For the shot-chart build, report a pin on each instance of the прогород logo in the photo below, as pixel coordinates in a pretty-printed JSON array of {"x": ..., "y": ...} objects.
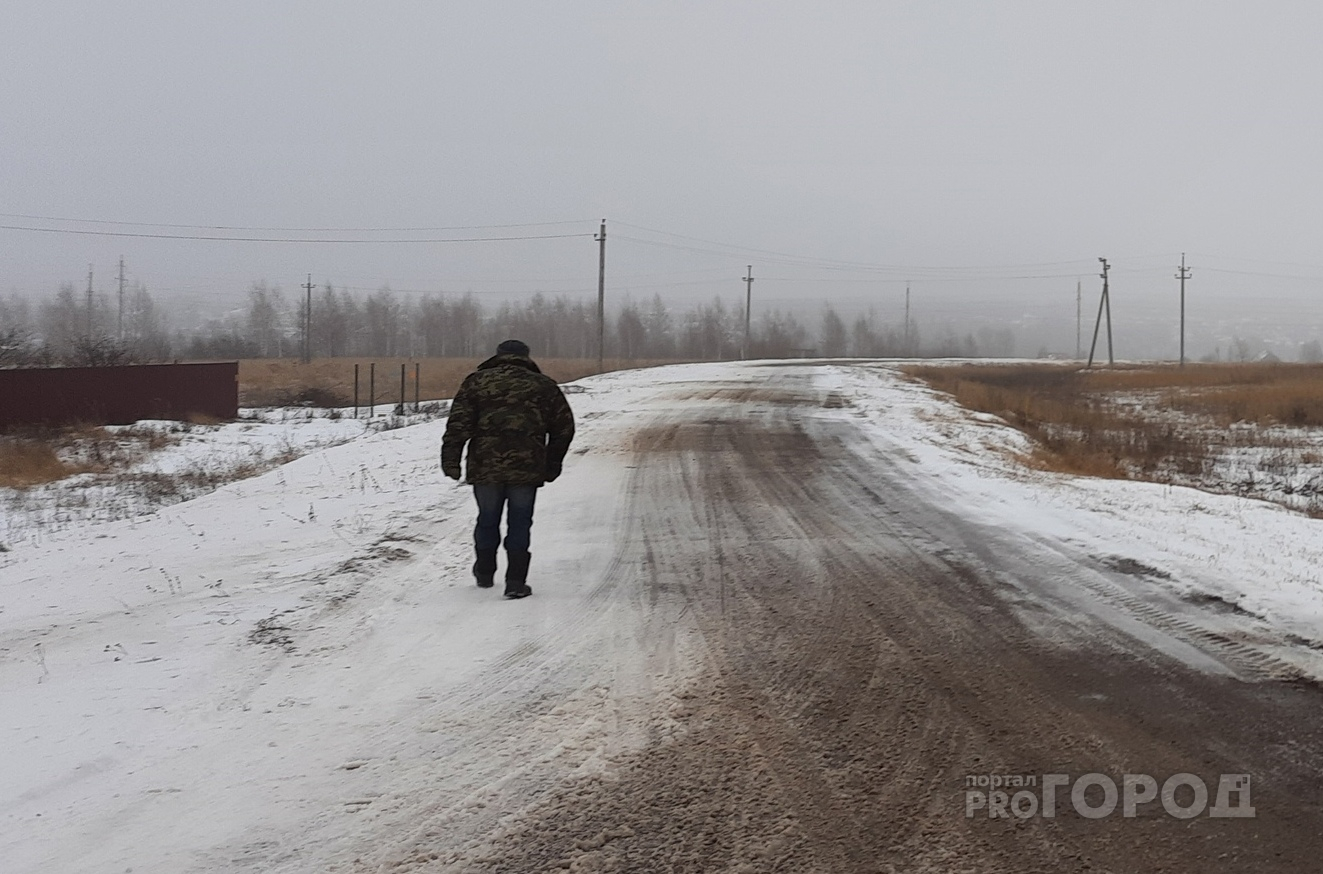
[{"x": 1094, "y": 796}]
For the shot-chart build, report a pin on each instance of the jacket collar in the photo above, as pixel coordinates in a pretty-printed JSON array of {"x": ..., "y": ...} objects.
[{"x": 509, "y": 360}]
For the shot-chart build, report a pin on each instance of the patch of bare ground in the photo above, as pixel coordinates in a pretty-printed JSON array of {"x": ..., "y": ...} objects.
[{"x": 1254, "y": 430}]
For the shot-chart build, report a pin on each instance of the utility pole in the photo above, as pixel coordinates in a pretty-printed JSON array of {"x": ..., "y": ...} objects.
[
  {"x": 307, "y": 323},
  {"x": 601, "y": 296},
  {"x": 907, "y": 320},
  {"x": 1079, "y": 314},
  {"x": 120, "y": 328},
  {"x": 748, "y": 303},
  {"x": 1107, "y": 300},
  {"x": 1182, "y": 276},
  {"x": 89, "y": 303},
  {"x": 1105, "y": 303}
]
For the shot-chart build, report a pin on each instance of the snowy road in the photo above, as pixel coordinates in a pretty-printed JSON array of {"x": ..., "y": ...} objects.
[{"x": 777, "y": 621}]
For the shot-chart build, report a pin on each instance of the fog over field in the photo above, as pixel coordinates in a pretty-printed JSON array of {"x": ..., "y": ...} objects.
[{"x": 984, "y": 156}]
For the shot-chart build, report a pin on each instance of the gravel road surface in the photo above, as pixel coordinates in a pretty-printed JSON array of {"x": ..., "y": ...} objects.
[{"x": 863, "y": 652}]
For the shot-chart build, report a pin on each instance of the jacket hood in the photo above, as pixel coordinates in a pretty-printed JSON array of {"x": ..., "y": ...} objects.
[{"x": 512, "y": 360}]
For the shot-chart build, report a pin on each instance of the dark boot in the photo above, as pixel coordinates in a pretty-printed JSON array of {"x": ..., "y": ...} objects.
[
  {"x": 516, "y": 575},
  {"x": 484, "y": 569}
]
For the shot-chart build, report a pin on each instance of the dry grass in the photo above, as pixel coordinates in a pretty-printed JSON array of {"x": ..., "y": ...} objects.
[
  {"x": 1165, "y": 423},
  {"x": 25, "y": 463},
  {"x": 329, "y": 382},
  {"x": 34, "y": 456},
  {"x": 1264, "y": 394}
]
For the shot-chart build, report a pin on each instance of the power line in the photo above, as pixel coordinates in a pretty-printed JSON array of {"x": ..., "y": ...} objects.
[
  {"x": 726, "y": 250},
  {"x": 927, "y": 280},
  {"x": 723, "y": 250},
  {"x": 225, "y": 239},
  {"x": 807, "y": 260},
  {"x": 741, "y": 250},
  {"x": 642, "y": 286},
  {"x": 1260, "y": 274},
  {"x": 899, "y": 273},
  {"x": 45, "y": 218},
  {"x": 1205, "y": 255}
]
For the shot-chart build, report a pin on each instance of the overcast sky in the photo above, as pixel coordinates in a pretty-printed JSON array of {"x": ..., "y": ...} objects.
[{"x": 1001, "y": 138}]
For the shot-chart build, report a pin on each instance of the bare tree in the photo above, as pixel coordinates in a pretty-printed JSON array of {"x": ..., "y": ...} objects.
[
  {"x": 63, "y": 321},
  {"x": 18, "y": 348},
  {"x": 631, "y": 333},
  {"x": 778, "y": 335},
  {"x": 432, "y": 316},
  {"x": 267, "y": 320},
  {"x": 146, "y": 337},
  {"x": 660, "y": 330},
  {"x": 330, "y": 322},
  {"x": 464, "y": 329},
  {"x": 100, "y": 351},
  {"x": 709, "y": 333},
  {"x": 834, "y": 339},
  {"x": 18, "y": 343},
  {"x": 382, "y": 323}
]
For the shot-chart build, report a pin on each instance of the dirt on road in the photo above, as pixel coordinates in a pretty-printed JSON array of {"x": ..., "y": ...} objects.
[{"x": 866, "y": 658}]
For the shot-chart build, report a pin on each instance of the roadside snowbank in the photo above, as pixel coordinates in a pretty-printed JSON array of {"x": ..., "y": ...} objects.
[{"x": 1247, "y": 558}]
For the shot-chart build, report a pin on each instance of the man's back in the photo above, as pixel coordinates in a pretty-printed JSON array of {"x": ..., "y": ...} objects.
[{"x": 515, "y": 420}]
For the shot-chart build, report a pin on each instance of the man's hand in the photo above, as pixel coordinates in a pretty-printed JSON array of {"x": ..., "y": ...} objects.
[
  {"x": 452, "y": 472},
  {"x": 553, "y": 471}
]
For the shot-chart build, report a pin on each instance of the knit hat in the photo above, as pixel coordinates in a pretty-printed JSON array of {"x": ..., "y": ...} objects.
[{"x": 513, "y": 347}]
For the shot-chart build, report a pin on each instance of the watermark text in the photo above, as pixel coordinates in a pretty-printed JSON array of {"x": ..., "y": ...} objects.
[{"x": 1095, "y": 796}]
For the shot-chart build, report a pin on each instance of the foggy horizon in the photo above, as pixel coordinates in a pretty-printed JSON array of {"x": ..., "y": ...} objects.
[{"x": 985, "y": 157}]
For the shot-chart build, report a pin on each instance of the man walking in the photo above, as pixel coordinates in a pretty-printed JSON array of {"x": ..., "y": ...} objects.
[{"x": 518, "y": 427}]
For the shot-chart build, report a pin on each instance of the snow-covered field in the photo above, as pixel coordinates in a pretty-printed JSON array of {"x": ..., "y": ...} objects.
[
  {"x": 1281, "y": 463},
  {"x": 193, "y": 460},
  {"x": 294, "y": 672}
]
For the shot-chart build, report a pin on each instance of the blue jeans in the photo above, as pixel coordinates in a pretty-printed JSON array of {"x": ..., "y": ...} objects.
[{"x": 492, "y": 499}]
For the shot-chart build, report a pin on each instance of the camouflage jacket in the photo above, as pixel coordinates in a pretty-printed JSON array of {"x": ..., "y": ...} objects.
[{"x": 515, "y": 420}]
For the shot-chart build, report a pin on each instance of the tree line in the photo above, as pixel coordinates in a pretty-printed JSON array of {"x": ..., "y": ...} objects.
[{"x": 71, "y": 328}]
